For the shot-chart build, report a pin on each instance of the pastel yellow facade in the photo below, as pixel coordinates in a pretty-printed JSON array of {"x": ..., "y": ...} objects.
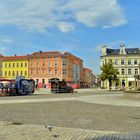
[
  {"x": 127, "y": 62},
  {"x": 13, "y": 68}
]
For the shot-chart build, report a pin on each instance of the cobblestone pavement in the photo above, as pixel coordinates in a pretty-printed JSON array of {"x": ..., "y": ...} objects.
[
  {"x": 74, "y": 114},
  {"x": 17, "y": 131},
  {"x": 73, "y": 117}
]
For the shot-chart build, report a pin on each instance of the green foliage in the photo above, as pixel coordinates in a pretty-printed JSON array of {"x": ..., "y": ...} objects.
[{"x": 109, "y": 73}]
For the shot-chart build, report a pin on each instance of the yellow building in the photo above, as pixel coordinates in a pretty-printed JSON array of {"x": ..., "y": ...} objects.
[
  {"x": 14, "y": 66},
  {"x": 126, "y": 61}
]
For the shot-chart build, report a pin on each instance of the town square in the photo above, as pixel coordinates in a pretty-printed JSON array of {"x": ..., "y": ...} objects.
[{"x": 69, "y": 70}]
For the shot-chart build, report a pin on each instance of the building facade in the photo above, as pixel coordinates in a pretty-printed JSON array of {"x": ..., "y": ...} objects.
[
  {"x": 44, "y": 66},
  {"x": 88, "y": 77},
  {"x": 13, "y": 66},
  {"x": 126, "y": 61}
]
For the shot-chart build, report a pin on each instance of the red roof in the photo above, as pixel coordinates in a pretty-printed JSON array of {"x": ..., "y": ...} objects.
[{"x": 7, "y": 58}]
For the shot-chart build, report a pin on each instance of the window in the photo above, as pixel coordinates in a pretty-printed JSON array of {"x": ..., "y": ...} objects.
[
  {"x": 122, "y": 62},
  {"x": 9, "y": 65},
  {"x": 49, "y": 63},
  {"x": 76, "y": 75},
  {"x": 129, "y": 71},
  {"x": 49, "y": 72},
  {"x": 103, "y": 62},
  {"x": 5, "y": 73},
  {"x": 135, "y": 62},
  {"x": 9, "y": 73},
  {"x": 13, "y": 73},
  {"x": 116, "y": 62},
  {"x": 32, "y": 64},
  {"x": 25, "y": 73},
  {"x": 13, "y": 64},
  {"x": 37, "y": 64},
  {"x": 31, "y": 71},
  {"x": 5, "y": 65},
  {"x": 50, "y": 55},
  {"x": 17, "y": 73},
  {"x": 37, "y": 71},
  {"x": 64, "y": 63},
  {"x": 21, "y": 73},
  {"x": 129, "y": 62},
  {"x": 25, "y": 64},
  {"x": 43, "y": 71},
  {"x": 17, "y": 64},
  {"x": 56, "y": 72},
  {"x": 64, "y": 72},
  {"x": 21, "y": 64},
  {"x": 123, "y": 71},
  {"x": 43, "y": 64},
  {"x": 55, "y": 63},
  {"x": 117, "y": 71},
  {"x": 136, "y": 71}
]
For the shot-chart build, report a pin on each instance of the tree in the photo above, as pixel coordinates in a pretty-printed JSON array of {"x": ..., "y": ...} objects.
[{"x": 109, "y": 73}]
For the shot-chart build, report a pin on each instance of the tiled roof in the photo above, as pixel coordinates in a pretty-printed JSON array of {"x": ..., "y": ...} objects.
[
  {"x": 44, "y": 53},
  {"x": 41, "y": 54},
  {"x": 133, "y": 51},
  {"x": 7, "y": 58},
  {"x": 128, "y": 51},
  {"x": 54, "y": 55},
  {"x": 87, "y": 69}
]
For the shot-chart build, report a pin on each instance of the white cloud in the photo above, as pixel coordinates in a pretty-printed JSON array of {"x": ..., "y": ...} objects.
[
  {"x": 66, "y": 27},
  {"x": 93, "y": 13},
  {"x": 40, "y": 15}
]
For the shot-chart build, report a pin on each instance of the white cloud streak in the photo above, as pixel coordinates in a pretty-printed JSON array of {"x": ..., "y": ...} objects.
[{"x": 40, "y": 15}]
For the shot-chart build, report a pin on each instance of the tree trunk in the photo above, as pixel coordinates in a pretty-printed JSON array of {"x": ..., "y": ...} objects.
[{"x": 110, "y": 84}]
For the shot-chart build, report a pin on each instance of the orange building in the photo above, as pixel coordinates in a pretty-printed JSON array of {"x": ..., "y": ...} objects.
[
  {"x": 88, "y": 77},
  {"x": 46, "y": 65}
]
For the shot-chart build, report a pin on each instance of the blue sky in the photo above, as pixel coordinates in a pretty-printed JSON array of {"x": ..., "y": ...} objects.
[{"x": 76, "y": 26}]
